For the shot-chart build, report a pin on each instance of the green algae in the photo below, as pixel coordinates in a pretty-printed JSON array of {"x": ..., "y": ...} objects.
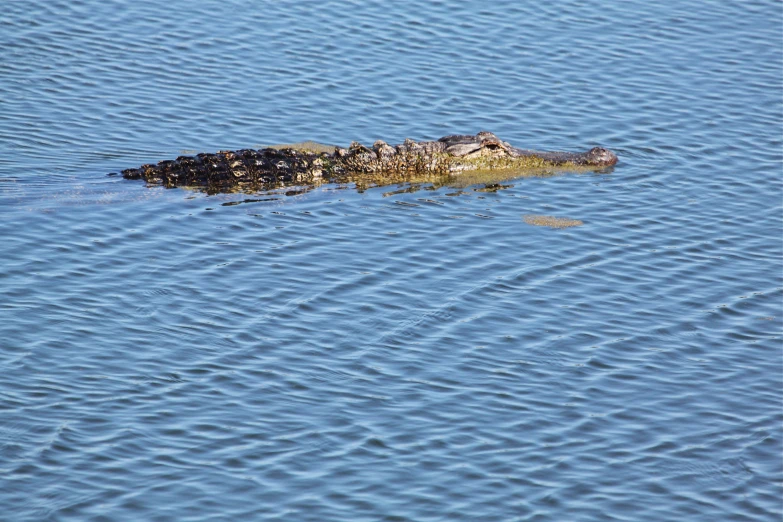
[{"x": 311, "y": 147}]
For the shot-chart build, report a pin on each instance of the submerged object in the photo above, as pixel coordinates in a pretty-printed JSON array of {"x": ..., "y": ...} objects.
[{"x": 450, "y": 155}]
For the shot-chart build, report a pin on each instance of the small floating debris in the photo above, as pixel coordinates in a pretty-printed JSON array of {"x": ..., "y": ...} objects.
[{"x": 551, "y": 221}]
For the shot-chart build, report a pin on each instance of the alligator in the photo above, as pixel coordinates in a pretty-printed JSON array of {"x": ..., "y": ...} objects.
[{"x": 450, "y": 155}]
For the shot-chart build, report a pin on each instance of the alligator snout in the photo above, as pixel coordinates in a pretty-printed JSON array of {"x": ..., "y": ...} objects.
[{"x": 600, "y": 156}]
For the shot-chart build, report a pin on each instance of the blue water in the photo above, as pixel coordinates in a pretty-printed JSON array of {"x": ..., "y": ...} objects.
[{"x": 397, "y": 353}]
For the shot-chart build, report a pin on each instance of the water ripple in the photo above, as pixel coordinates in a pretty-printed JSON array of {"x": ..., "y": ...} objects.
[{"x": 409, "y": 352}]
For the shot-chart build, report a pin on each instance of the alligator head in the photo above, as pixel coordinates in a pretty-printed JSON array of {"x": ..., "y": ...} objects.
[
  {"x": 599, "y": 156},
  {"x": 488, "y": 144}
]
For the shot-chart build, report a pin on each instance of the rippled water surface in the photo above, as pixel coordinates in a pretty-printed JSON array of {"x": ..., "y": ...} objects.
[{"x": 409, "y": 352}]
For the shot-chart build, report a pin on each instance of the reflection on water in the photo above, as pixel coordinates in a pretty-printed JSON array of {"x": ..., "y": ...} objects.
[{"x": 479, "y": 180}]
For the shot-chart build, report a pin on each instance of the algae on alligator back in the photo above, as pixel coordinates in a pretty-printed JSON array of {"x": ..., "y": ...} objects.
[
  {"x": 305, "y": 146},
  {"x": 311, "y": 163}
]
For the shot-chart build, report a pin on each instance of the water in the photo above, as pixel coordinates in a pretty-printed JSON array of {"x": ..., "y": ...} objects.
[{"x": 395, "y": 353}]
